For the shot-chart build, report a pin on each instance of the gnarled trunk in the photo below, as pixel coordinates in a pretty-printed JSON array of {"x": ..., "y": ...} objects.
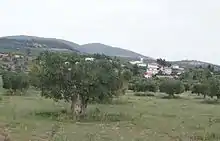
[{"x": 78, "y": 106}]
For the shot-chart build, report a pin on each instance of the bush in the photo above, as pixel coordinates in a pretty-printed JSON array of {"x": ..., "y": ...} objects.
[
  {"x": 144, "y": 85},
  {"x": 210, "y": 87},
  {"x": 14, "y": 81},
  {"x": 201, "y": 88},
  {"x": 214, "y": 88},
  {"x": 171, "y": 87}
]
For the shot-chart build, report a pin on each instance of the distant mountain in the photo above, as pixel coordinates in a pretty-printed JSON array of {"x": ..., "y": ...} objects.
[
  {"x": 109, "y": 50},
  {"x": 195, "y": 63},
  {"x": 22, "y": 41}
]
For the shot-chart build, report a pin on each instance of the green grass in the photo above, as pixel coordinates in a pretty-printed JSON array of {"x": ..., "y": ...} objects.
[{"x": 133, "y": 119}]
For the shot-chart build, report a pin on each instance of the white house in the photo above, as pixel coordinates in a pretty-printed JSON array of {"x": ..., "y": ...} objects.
[
  {"x": 167, "y": 71},
  {"x": 152, "y": 69},
  {"x": 139, "y": 63},
  {"x": 177, "y": 70},
  {"x": 142, "y": 65},
  {"x": 89, "y": 59},
  {"x": 18, "y": 56},
  {"x": 175, "y": 67}
]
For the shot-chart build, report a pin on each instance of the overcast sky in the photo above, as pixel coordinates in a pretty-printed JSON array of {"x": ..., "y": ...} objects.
[{"x": 171, "y": 29}]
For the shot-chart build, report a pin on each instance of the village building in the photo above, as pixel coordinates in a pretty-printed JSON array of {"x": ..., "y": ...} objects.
[
  {"x": 139, "y": 63},
  {"x": 89, "y": 59},
  {"x": 156, "y": 69},
  {"x": 152, "y": 69}
]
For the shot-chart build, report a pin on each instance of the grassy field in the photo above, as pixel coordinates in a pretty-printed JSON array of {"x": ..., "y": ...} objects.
[{"x": 129, "y": 118}]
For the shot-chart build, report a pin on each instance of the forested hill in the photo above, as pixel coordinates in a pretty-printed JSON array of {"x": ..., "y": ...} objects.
[{"x": 22, "y": 41}]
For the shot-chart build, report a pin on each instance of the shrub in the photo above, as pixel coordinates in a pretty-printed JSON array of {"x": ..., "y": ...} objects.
[
  {"x": 14, "y": 81},
  {"x": 171, "y": 87},
  {"x": 144, "y": 85},
  {"x": 214, "y": 88},
  {"x": 201, "y": 88}
]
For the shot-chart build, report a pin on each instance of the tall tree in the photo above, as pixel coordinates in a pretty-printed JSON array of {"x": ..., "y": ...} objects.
[
  {"x": 163, "y": 62},
  {"x": 14, "y": 81},
  {"x": 135, "y": 70},
  {"x": 75, "y": 80}
]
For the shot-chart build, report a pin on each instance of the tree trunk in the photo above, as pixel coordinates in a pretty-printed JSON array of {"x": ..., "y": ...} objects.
[
  {"x": 78, "y": 106},
  {"x": 204, "y": 96},
  {"x": 171, "y": 95},
  {"x": 11, "y": 91}
]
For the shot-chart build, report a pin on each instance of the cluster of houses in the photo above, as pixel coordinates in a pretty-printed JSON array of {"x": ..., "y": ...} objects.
[
  {"x": 12, "y": 61},
  {"x": 156, "y": 69},
  {"x": 153, "y": 69},
  {"x": 8, "y": 56}
]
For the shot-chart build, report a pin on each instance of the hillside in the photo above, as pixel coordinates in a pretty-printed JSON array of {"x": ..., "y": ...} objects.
[
  {"x": 12, "y": 43},
  {"x": 109, "y": 50},
  {"x": 195, "y": 63},
  {"x": 22, "y": 41}
]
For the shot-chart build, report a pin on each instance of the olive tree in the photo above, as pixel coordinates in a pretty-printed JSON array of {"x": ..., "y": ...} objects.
[
  {"x": 171, "y": 87},
  {"x": 126, "y": 77},
  {"x": 143, "y": 85},
  {"x": 214, "y": 88},
  {"x": 14, "y": 81},
  {"x": 69, "y": 77},
  {"x": 201, "y": 88}
]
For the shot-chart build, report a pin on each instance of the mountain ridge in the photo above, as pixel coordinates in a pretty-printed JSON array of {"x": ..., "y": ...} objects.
[
  {"x": 85, "y": 48},
  {"x": 24, "y": 41}
]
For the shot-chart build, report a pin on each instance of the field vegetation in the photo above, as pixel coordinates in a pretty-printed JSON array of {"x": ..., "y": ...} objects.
[{"x": 65, "y": 98}]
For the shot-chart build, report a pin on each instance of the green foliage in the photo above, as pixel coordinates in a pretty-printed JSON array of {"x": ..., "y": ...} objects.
[
  {"x": 171, "y": 87},
  {"x": 143, "y": 85},
  {"x": 196, "y": 75},
  {"x": 135, "y": 70},
  {"x": 214, "y": 87},
  {"x": 127, "y": 75},
  {"x": 201, "y": 88},
  {"x": 14, "y": 81},
  {"x": 211, "y": 87},
  {"x": 96, "y": 80},
  {"x": 34, "y": 75},
  {"x": 163, "y": 62}
]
